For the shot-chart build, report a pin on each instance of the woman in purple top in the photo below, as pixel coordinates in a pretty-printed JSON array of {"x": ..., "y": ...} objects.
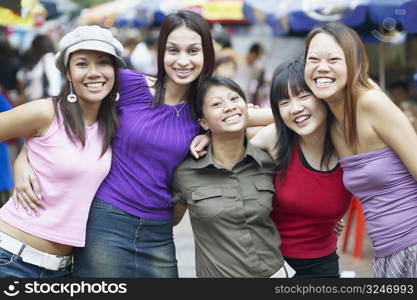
[
  {"x": 373, "y": 137},
  {"x": 129, "y": 230}
]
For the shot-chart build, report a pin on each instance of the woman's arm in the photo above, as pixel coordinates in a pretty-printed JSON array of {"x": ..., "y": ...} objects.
[
  {"x": 26, "y": 191},
  {"x": 391, "y": 126},
  {"x": 178, "y": 213},
  {"x": 266, "y": 139},
  {"x": 260, "y": 116},
  {"x": 199, "y": 144},
  {"x": 26, "y": 120}
]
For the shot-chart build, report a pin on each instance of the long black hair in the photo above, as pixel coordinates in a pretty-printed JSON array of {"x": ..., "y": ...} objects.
[
  {"x": 196, "y": 23},
  {"x": 289, "y": 76},
  {"x": 72, "y": 114}
]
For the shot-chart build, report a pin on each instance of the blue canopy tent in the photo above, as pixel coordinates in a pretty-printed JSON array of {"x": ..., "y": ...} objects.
[
  {"x": 382, "y": 21},
  {"x": 292, "y": 16}
]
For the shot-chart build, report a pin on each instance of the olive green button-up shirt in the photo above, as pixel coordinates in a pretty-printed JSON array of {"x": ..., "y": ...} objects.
[{"x": 229, "y": 213}]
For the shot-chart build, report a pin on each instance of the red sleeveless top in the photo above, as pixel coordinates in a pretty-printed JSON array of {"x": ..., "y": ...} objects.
[{"x": 306, "y": 206}]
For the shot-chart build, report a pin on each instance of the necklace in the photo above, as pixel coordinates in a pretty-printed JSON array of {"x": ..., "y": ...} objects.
[{"x": 178, "y": 110}]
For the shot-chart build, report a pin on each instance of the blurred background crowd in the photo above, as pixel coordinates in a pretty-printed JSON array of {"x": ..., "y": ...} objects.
[{"x": 251, "y": 38}]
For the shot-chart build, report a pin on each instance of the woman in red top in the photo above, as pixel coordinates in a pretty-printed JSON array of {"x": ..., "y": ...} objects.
[{"x": 310, "y": 197}]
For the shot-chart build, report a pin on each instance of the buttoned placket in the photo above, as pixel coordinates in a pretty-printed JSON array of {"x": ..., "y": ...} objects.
[{"x": 246, "y": 238}]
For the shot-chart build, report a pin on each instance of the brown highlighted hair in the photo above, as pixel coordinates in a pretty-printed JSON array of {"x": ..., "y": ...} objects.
[{"x": 357, "y": 71}]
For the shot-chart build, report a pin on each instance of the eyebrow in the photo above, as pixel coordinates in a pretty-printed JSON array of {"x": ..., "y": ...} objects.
[
  {"x": 230, "y": 94},
  {"x": 193, "y": 44},
  {"x": 85, "y": 57}
]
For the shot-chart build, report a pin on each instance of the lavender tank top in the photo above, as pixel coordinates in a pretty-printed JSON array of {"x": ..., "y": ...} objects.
[{"x": 388, "y": 193}]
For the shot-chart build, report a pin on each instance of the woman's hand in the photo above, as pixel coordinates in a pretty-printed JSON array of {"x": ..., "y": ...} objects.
[
  {"x": 27, "y": 190},
  {"x": 338, "y": 228},
  {"x": 198, "y": 145}
]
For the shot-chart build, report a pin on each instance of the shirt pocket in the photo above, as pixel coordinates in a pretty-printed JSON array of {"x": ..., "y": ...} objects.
[
  {"x": 265, "y": 192},
  {"x": 207, "y": 202}
]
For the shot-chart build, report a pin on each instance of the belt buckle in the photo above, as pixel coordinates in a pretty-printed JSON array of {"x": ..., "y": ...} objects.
[{"x": 65, "y": 261}]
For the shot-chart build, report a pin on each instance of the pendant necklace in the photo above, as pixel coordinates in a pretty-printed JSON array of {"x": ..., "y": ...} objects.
[{"x": 178, "y": 110}]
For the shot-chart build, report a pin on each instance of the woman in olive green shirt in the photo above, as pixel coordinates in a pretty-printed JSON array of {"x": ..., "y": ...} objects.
[{"x": 229, "y": 192}]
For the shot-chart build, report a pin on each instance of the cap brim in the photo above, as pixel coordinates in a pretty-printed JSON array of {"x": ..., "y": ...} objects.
[{"x": 94, "y": 45}]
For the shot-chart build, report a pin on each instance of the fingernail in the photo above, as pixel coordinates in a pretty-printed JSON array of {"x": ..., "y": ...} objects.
[{"x": 39, "y": 196}]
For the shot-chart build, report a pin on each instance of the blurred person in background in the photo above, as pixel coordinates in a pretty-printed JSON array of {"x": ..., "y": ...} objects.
[
  {"x": 143, "y": 57},
  {"x": 400, "y": 94},
  {"x": 6, "y": 179},
  {"x": 250, "y": 71},
  {"x": 225, "y": 66},
  {"x": 10, "y": 64},
  {"x": 130, "y": 45},
  {"x": 38, "y": 75},
  {"x": 223, "y": 46}
]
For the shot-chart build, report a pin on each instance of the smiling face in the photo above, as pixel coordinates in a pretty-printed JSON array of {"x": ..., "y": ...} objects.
[
  {"x": 303, "y": 113},
  {"x": 325, "y": 69},
  {"x": 92, "y": 75},
  {"x": 224, "y": 111},
  {"x": 183, "y": 58}
]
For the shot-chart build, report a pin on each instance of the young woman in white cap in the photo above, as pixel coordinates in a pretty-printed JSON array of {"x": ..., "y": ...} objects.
[{"x": 68, "y": 145}]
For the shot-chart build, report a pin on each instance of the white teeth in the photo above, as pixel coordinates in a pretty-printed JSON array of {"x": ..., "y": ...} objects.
[
  {"x": 232, "y": 118},
  {"x": 95, "y": 85},
  {"x": 301, "y": 119},
  {"x": 324, "y": 80},
  {"x": 183, "y": 71}
]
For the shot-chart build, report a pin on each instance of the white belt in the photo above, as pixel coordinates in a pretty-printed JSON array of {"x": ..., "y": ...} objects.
[
  {"x": 33, "y": 256},
  {"x": 284, "y": 272}
]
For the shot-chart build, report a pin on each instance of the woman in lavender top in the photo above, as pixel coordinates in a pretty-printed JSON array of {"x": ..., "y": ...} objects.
[
  {"x": 129, "y": 230},
  {"x": 373, "y": 137}
]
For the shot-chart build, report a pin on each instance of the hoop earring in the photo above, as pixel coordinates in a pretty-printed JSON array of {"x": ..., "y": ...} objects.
[
  {"x": 117, "y": 97},
  {"x": 72, "y": 97}
]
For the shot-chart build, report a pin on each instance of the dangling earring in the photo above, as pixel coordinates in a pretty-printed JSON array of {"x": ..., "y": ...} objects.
[
  {"x": 71, "y": 96},
  {"x": 117, "y": 97}
]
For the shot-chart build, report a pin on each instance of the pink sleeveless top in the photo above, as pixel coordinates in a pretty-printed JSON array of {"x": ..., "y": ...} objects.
[{"x": 69, "y": 177}]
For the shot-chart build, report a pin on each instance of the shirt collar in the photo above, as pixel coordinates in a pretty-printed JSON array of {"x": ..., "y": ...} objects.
[{"x": 208, "y": 160}]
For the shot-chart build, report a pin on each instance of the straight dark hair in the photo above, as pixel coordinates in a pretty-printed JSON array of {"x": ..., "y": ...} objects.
[
  {"x": 72, "y": 114},
  {"x": 196, "y": 23},
  {"x": 289, "y": 76},
  {"x": 208, "y": 83}
]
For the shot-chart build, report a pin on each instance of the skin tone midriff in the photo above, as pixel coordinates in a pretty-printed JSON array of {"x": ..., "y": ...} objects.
[{"x": 34, "y": 241}]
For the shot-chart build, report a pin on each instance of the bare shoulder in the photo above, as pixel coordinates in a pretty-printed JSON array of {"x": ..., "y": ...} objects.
[
  {"x": 374, "y": 100},
  {"x": 45, "y": 112},
  {"x": 45, "y": 109}
]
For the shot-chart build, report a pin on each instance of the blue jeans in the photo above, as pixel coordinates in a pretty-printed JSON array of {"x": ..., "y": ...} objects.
[
  {"x": 122, "y": 245},
  {"x": 13, "y": 266}
]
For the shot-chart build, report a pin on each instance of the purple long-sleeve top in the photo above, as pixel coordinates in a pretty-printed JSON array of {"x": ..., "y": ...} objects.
[
  {"x": 149, "y": 144},
  {"x": 388, "y": 194}
]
